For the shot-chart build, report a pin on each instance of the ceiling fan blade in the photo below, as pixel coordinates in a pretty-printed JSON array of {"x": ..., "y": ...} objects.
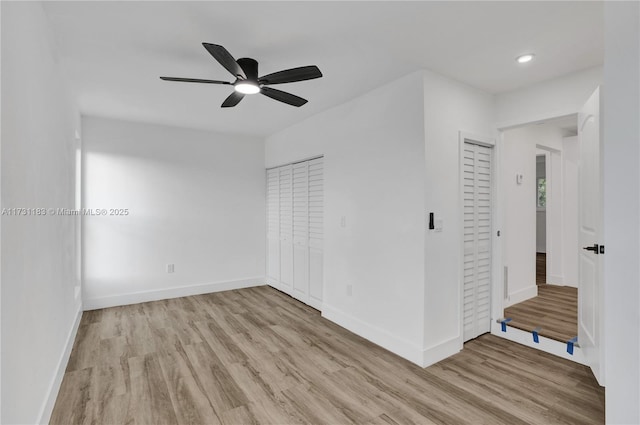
[
  {"x": 224, "y": 57},
  {"x": 233, "y": 99},
  {"x": 292, "y": 75},
  {"x": 193, "y": 80},
  {"x": 282, "y": 96}
]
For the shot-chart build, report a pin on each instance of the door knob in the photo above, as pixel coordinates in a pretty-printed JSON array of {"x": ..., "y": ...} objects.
[{"x": 593, "y": 248}]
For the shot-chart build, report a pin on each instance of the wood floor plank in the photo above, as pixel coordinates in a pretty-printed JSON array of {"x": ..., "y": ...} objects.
[
  {"x": 150, "y": 399},
  {"x": 256, "y": 356}
]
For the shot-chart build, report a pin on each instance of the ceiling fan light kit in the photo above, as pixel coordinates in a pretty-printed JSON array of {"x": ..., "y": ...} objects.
[{"x": 245, "y": 71}]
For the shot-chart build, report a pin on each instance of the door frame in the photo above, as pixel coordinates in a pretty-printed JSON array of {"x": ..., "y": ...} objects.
[
  {"x": 554, "y": 347},
  {"x": 466, "y": 137},
  {"x": 499, "y": 284},
  {"x": 554, "y": 204}
]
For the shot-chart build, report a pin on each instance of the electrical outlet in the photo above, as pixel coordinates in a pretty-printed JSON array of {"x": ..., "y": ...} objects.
[
  {"x": 171, "y": 268},
  {"x": 343, "y": 221}
]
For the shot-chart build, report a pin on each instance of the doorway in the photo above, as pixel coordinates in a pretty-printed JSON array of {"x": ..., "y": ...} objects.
[
  {"x": 581, "y": 236},
  {"x": 541, "y": 216}
]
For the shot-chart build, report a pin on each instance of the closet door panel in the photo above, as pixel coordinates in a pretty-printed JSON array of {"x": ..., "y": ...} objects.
[
  {"x": 301, "y": 231},
  {"x": 286, "y": 228},
  {"x": 476, "y": 204},
  {"x": 469, "y": 234},
  {"x": 273, "y": 226},
  {"x": 316, "y": 230},
  {"x": 483, "y": 238}
]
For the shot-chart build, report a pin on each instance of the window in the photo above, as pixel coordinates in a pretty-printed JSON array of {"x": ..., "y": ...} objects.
[{"x": 541, "y": 198}]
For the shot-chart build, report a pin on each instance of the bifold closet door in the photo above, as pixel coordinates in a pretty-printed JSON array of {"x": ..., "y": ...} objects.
[
  {"x": 295, "y": 216},
  {"x": 476, "y": 174}
]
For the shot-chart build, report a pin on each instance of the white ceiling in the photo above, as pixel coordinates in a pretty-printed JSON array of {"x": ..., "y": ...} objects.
[{"x": 114, "y": 52}]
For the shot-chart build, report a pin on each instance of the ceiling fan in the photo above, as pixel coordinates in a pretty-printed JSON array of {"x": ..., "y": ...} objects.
[{"x": 245, "y": 71}]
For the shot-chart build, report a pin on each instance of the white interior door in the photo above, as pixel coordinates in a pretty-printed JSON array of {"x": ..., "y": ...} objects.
[
  {"x": 476, "y": 198},
  {"x": 590, "y": 294}
]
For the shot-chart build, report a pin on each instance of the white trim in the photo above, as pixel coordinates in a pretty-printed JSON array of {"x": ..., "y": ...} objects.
[
  {"x": 521, "y": 295},
  {"x": 556, "y": 279},
  {"x": 175, "y": 292},
  {"x": 498, "y": 291},
  {"x": 441, "y": 351},
  {"x": 56, "y": 381},
  {"x": 476, "y": 139},
  {"x": 506, "y": 125},
  {"x": 315, "y": 303},
  {"x": 376, "y": 335},
  {"x": 547, "y": 345}
]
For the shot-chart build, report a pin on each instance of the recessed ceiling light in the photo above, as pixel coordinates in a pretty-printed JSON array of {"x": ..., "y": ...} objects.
[
  {"x": 525, "y": 58},
  {"x": 247, "y": 88}
]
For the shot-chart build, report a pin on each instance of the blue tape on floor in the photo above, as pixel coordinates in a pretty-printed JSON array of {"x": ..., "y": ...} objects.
[
  {"x": 503, "y": 323},
  {"x": 536, "y": 338},
  {"x": 570, "y": 344}
]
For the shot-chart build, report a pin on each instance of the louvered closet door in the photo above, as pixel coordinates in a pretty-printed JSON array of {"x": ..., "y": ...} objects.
[
  {"x": 286, "y": 229},
  {"x": 316, "y": 232},
  {"x": 301, "y": 231},
  {"x": 295, "y": 215},
  {"x": 477, "y": 240},
  {"x": 273, "y": 227}
]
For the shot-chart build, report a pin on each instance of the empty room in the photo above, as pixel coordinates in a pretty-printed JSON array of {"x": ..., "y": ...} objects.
[{"x": 322, "y": 212}]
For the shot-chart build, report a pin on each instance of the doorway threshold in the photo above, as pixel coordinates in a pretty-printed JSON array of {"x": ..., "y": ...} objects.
[{"x": 545, "y": 344}]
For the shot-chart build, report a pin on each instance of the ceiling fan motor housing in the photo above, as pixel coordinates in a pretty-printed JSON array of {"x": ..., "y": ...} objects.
[{"x": 250, "y": 68}]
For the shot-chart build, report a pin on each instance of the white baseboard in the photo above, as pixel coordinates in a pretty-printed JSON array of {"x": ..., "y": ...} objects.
[
  {"x": 547, "y": 345},
  {"x": 441, "y": 351},
  {"x": 376, "y": 335},
  {"x": 54, "y": 386},
  {"x": 166, "y": 293},
  {"x": 556, "y": 280},
  {"x": 521, "y": 295},
  {"x": 310, "y": 301}
]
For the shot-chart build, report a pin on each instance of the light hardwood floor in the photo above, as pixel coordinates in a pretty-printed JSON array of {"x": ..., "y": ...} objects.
[
  {"x": 555, "y": 310},
  {"x": 541, "y": 268},
  {"x": 258, "y": 356}
]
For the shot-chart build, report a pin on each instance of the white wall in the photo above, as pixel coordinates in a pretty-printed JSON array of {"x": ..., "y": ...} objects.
[
  {"x": 520, "y": 146},
  {"x": 374, "y": 176},
  {"x": 555, "y": 207},
  {"x": 553, "y": 98},
  {"x": 386, "y": 167},
  {"x": 196, "y": 199},
  {"x": 622, "y": 211},
  {"x": 518, "y": 152},
  {"x": 450, "y": 107},
  {"x": 571, "y": 244},
  {"x": 39, "y": 307}
]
